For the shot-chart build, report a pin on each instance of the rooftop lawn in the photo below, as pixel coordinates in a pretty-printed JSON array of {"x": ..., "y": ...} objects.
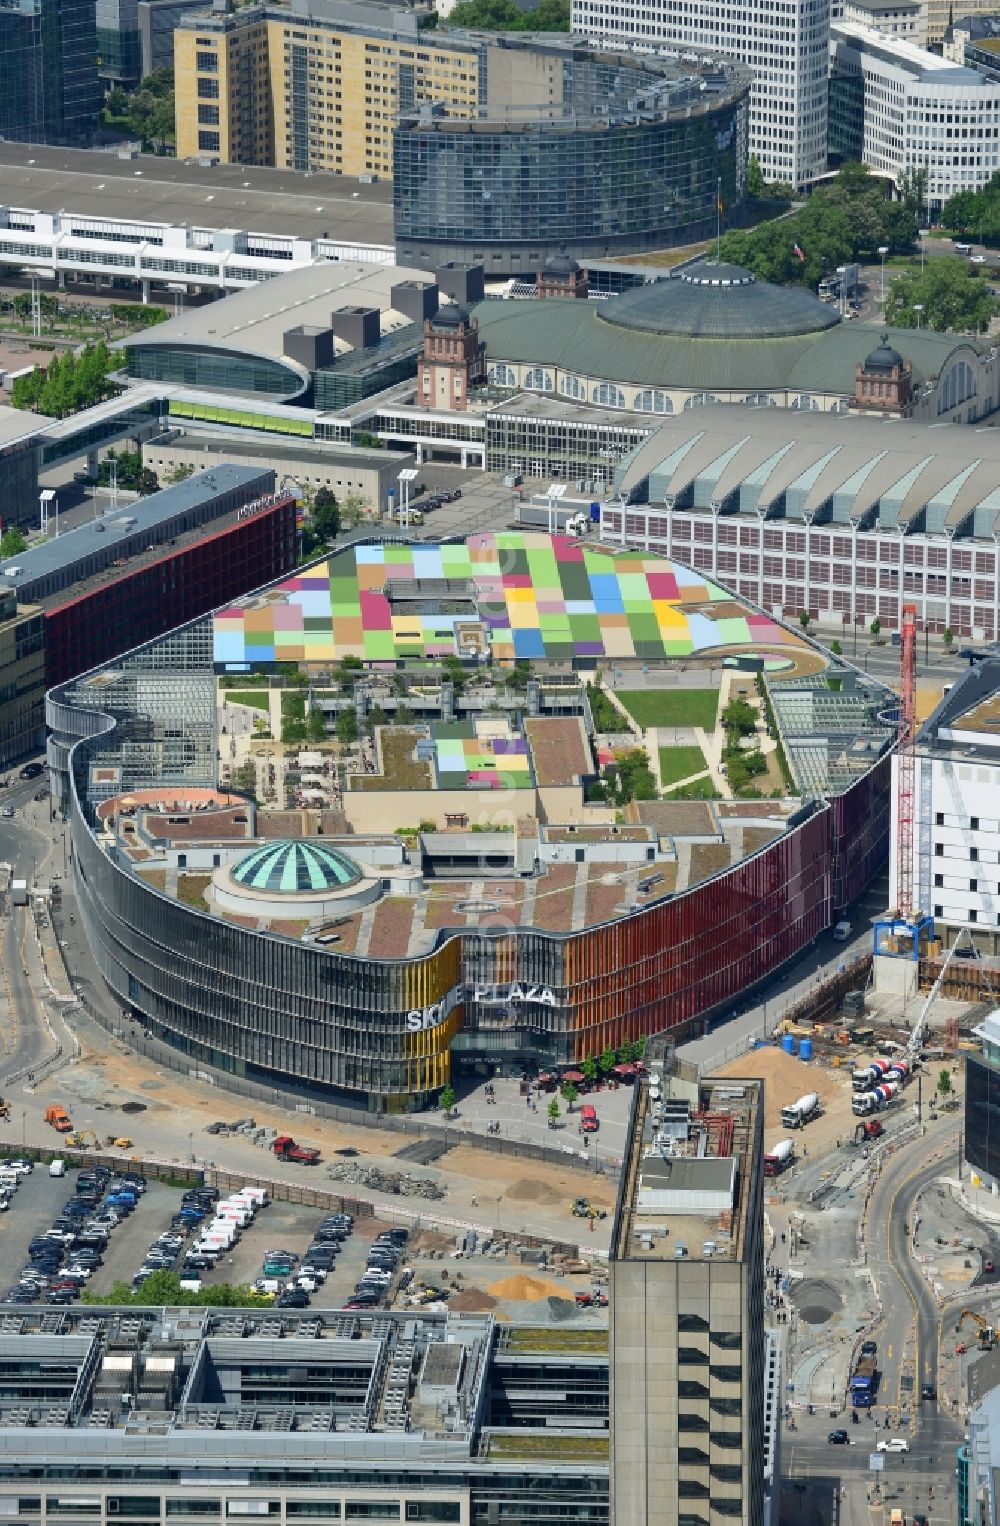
[
  {"x": 554, "y": 1448},
  {"x": 671, "y": 707},
  {"x": 678, "y": 763},
  {"x": 548, "y": 1338}
]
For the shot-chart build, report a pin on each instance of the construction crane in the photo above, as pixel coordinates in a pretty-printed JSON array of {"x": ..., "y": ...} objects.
[
  {"x": 987, "y": 1334},
  {"x": 906, "y": 761}
]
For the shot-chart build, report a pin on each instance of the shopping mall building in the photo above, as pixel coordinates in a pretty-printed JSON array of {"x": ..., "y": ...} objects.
[{"x": 455, "y": 890}]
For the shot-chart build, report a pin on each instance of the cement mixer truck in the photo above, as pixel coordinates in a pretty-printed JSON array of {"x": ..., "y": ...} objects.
[
  {"x": 867, "y": 1076},
  {"x": 874, "y": 1101},
  {"x": 778, "y": 1159},
  {"x": 799, "y": 1114}
]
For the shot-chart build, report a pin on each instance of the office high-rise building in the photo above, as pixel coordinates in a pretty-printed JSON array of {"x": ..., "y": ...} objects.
[
  {"x": 688, "y": 1350},
  {"x": 50, "y": 92},
  {"x": 785, "y": 43}
]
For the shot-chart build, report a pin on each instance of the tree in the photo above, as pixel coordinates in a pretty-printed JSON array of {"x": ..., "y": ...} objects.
[
  {"x": 12, "y": 542},
  {"x": 553, "y": 1112},
  {"x": 570, "y": 1094},
  {"x": 179, "y": 473},
  {"x": 148, "y": 482},
  {"x": 404, "y": 715},
  {"x": 755, "y": 178},
  {"x": 804, "y": 618},
  {"x": 607, "y": 1061},
  {"x": 741, "y": 717},
  {"x": 347, "y": 726},
  {"x": 69, "y": 382},
  {"x": 835, "y": 647},
  {"x": 505, "y": 16},
  {"x": 377, "y": 717},
  {"x": 354, "y": 509},
  {"x": 953, "y": 298},
  {"x": 949, "y": 637},
  {"x": 163, "y": 1289},
  {"x": 875, "y": 627},
  {"x": 316, "y": 725},
  {"x": 944, "y": 1082},
  {"x": 447, "y": 1098},
  {"x": 589, "y": 1068}
]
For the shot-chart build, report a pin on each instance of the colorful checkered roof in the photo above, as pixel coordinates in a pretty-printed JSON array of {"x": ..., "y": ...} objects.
[
  {"x": 537, "y": 596},
  {"x": 480, "y": 755}
]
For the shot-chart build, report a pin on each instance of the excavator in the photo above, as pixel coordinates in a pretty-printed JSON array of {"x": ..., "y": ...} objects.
[
  {"x": 81, "y": 1137},
  {"x": 987, "y": 1334}
]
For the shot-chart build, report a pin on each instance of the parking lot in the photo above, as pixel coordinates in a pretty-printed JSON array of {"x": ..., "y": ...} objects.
[{"x": 40, "y": 1199}]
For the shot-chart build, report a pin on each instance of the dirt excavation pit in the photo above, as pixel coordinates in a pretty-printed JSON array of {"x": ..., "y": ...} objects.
[{"x": 817, "y": 1301}]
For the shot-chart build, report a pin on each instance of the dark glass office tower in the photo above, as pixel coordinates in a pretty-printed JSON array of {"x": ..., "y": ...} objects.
[
  {"x": 50, "y": 93},
  {"x": 119, "y": 49}
]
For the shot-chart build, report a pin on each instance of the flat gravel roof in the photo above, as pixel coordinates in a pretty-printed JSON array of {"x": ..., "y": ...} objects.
[{"x": 150, "y": 189}]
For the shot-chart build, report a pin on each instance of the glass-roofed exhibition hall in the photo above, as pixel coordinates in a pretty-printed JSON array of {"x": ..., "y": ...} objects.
[{"x": 371, "y": 827}]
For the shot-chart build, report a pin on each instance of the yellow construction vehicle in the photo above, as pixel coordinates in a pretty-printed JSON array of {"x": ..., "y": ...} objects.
[
  {"x": 81, "y": 1137},
  {"x": 118, "y": 1142},
  {"x": 987, "y": 1334}
]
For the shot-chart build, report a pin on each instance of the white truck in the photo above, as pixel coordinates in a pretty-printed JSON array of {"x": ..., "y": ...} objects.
[
  {"x": 800, "y": 1112},
  {"x": 19, "y": 892}
]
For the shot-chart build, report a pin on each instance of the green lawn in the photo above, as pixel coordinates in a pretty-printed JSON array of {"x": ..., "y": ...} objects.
[
  {"x": 672, "y": 707},
  {"x": 260, "y": 699},
  {"x": 680, "y": 762},
  {"x": 701, "y": 789}
]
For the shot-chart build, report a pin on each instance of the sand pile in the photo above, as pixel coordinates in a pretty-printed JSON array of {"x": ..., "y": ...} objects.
[
  {"x": 471, "y": 1301},
  {"x": 530, "y": 1189},
  {"x": 786, "y": 1079},
  {"x": 523, "y": 1289}
]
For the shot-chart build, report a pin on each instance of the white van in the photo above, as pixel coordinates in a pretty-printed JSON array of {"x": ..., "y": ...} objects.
[
  {"x": 57, "y": 1168},
  {"x": 841, "y": 932},
  {"x": 963, "y": 248},
  {"x": 259, "y": 1196}
]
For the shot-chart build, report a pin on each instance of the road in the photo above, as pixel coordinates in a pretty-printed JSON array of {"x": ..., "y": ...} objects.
[
  {"x": 923, "y": 1478},
  {"x": 29, "y": 844}
]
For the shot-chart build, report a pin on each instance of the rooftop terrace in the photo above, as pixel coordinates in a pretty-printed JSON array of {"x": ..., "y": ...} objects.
[{"x": 684, "y": 1189}]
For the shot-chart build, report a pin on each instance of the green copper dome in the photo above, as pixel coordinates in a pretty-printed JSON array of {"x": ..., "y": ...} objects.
[{"x": 292, "y": 868}]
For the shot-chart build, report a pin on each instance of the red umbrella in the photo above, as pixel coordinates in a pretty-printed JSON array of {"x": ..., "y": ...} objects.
[{"x": 575, "y": 1076}]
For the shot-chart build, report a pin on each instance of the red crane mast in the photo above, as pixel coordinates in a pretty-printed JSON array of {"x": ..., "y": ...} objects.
[{"x": 906, "y": 761}]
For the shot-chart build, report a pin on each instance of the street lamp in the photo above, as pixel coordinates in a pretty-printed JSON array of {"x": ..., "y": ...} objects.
[
  {"x": 924, "y": 233},
  {"x": 883, "y": 250},
  {"x": 918, "y": 308}
]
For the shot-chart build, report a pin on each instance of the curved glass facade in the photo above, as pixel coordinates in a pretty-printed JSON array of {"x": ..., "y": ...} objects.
[
  {"x": 642, "y": 172},
  {"x": 215, "y": 370},
  {"x": 266, "y": 1006}
]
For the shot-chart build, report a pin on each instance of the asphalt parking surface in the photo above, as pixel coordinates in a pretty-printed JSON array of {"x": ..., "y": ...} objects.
[
  {"x": 285, "y": 1226},
  {"x": 289, "y": 1226}
]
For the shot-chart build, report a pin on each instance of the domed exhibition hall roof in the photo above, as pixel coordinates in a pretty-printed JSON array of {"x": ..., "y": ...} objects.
[
  {"x": 710, "y": 328},
  {"x": 719, "y": 302},
  {"x": 294, "y": 868}
]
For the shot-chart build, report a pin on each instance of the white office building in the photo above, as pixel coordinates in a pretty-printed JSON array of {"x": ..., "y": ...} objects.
[
  {"x": 956, "y": 811},
  {"x": 908, "y": 109},
  {"x": 785, "y": 43}
]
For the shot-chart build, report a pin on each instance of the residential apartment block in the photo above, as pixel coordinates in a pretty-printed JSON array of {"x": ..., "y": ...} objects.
[{"x": 313, "y": 87}]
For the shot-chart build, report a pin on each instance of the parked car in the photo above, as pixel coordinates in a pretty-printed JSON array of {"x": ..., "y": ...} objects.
[
  {"x": 893, "y": 1444},
  {"x": 838, "y": 1438}
]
